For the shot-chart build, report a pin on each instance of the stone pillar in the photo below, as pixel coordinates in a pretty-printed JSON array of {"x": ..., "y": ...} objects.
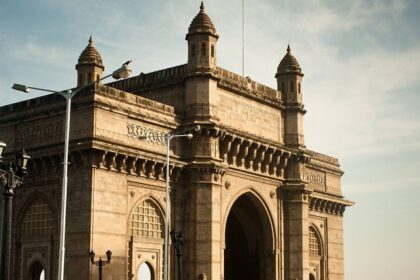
[
  {"x": 296, "y": 221},
  {"x": 203, "y": 251}
]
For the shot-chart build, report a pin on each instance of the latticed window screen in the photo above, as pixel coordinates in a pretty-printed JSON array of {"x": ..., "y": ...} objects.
[
  {"x": 37, "y": 218},
  {"x": 314, "y": 246},
  {"x": 146, "y": 220}
]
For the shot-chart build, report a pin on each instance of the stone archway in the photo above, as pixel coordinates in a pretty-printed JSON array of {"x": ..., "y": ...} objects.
[
  {"x": 145, "y": 272},
  {"x": 37, "y": 271},
  {"x": 249, "y": 241}
]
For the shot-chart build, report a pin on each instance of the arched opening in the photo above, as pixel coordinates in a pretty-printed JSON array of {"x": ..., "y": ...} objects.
[
  {"x": 145, "y": 272},
  {"x": 249, "y": 242},
  {"x": 316, "y": 260},
  {"x": 37, "y": 271}
]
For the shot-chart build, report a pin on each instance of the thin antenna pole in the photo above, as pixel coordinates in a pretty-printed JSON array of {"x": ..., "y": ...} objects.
[{"x": 243, "y": 37}]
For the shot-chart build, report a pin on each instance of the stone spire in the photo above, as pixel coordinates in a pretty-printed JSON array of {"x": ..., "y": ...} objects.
[
  {"x": 89, "y": 65},
  {"x": 202, "y": 24},
  {"x": 90, "y": 56},
  {"x": 289, "y": 64},
  {"x": 202, "y": 39}
]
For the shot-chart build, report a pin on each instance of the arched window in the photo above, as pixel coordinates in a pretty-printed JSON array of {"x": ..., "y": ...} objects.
[
  {"x": 311, "y": 276},
  {"x": 37, "y": 218},
  {"x": 192, "y": 50},
  {"x": 292, "y": 86},
  {"x": 283, "y": 87},
  {"x": 80, "y": 79},
  {"x": 203, "y": 49},
  {"x": 314, "y": 243},
  {"x": 89, "y": 78},
  {"x": 145, "y": 272},
  {"x": 299, "y": 87},
  {"x": 146, "y": 220},
  {"x": 212, "y": 50}
]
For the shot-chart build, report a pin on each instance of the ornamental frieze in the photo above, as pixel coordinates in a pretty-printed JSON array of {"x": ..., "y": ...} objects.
[
  {"x": 146, "y": 133},
  {"x": 316, "y": 179},
  {"x": 39, "y": 134}
]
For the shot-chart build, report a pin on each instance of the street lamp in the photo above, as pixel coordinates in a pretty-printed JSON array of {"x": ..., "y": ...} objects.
[
  {"x": 168, "y": 137},
  {"x": 178, "y": 240},
  {"x": 100, "y": 262},
  {"x": 11, "y": 177},
  {"x": 123, "y": 72}
]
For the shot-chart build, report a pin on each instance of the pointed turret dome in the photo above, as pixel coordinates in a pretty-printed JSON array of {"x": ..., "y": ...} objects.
[
  {"x": 202, "y": 23},
  {"x": 90, "y": 56},
  {"x": 289, "y": 64}
]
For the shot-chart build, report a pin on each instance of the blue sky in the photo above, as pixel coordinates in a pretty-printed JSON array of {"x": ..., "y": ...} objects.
[{"x": 361, "y": 88}]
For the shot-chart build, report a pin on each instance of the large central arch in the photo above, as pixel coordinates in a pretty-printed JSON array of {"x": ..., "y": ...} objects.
[{"x": 249, "y": 241}]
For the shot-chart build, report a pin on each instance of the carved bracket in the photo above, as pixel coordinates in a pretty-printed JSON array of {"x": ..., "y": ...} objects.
[
  {"x": 252, "y": 155},
  {"x": 326, "y": 206}
]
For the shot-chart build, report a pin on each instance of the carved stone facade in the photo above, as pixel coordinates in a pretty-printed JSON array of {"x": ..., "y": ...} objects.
[{"x": 252, "y": 201}]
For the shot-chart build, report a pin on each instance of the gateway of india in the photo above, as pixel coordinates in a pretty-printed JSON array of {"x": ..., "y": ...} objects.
[{"x": 252, "y": 201}]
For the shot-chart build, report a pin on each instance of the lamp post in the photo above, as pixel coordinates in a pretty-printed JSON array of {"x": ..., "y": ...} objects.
[
  {"x": 123, "y": 72},
  {"x": 178, "y": 240},
  {"x": 11, "y": 177},
  {"x": 168, "y": 137},
  {"x": 99, "y": 263}
]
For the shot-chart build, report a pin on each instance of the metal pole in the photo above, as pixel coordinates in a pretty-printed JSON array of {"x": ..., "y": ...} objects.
[
  {"x": 68, "y": 96},
  {"x": 6, "y": 232},
  {"x": 165, "y": 263},
  {"x": 243, "y": 37},
  {"x": 180, "y": 255},
  {"x": 100, "y": 268}
]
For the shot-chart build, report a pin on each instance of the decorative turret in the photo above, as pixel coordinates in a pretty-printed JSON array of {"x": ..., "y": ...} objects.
[
  {"x": 202, "y": 38},
  {"x": 289, "y": 80},
  {"x": 89, "y": 66}
]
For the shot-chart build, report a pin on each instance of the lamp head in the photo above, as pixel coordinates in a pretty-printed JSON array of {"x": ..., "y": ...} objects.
[
  {"x": 190, "y": 136},
  {"x": 2, "y": 147},
  {"x": 108, "y": 255},
  {"x": 123, "y": 72},
  {"x": 197, "y": 128},
  {"x": 181, "y": 237},
  {"x": 92, "y": 256},
  {"x": 22, "y": 160},
  {"x": 20, "y": 87}
]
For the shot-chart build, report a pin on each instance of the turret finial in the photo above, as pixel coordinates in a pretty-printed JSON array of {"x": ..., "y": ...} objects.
[
  {"x": 91, "y": 40},
  {"x": 202, "y": 6},
  {"x": 288, "y": 48}
]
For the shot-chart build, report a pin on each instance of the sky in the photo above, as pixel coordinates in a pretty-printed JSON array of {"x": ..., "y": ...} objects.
[{"x": 361, "y": 88}]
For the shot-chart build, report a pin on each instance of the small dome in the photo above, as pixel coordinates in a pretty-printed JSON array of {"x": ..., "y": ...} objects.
[
  {"x": 90, "y": 55},
  {"x": 202, "y": 23},
  {"x": 289, "y": 64}
]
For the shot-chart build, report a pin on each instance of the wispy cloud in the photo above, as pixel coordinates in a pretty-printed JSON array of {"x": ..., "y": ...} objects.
[
  {"x": 376, "y": 185},
  {"x": 40, "y": 52}
]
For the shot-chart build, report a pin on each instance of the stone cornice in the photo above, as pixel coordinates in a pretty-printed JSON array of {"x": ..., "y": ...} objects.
[
  {"x": 133, "y": 99},
  {"x": 139, "y": 164},
  {"x": 324, "y": 162},
  {"x": 249, "y": 88},
  {"x": 328, "y": 204},
  {"x": 156, "y": 79}
]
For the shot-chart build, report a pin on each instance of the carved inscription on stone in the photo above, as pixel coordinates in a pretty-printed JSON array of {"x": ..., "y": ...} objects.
[
  {"x": 316, "y": 179},
  {"x": 145, "y": 133},
  {"x": 40, "y": 134},
  {"x": 244, "y": 116}
]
